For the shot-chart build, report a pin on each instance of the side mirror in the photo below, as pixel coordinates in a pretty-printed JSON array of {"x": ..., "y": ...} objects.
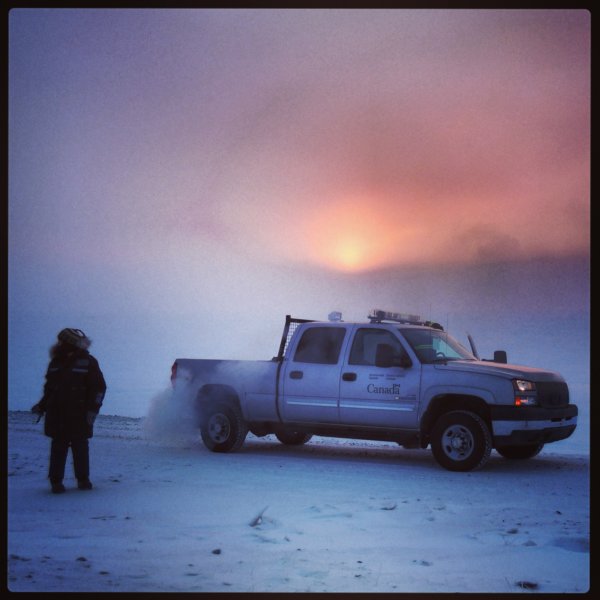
[
  {"x": 384, "y": 356},
  {"x": 500, "y": 356}
]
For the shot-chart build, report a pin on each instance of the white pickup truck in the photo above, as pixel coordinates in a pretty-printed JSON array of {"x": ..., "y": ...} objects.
[{"x": 394, "y": 378}]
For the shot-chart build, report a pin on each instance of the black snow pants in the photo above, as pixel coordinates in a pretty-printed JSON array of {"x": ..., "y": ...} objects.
[{"x": 58, "y": 458}]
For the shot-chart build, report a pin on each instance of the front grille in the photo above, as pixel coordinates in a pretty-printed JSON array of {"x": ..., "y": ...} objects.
[{"x": 552, "y": 393}]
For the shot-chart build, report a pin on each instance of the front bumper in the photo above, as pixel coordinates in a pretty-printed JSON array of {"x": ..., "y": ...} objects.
[{"x": 514, "y": 425}]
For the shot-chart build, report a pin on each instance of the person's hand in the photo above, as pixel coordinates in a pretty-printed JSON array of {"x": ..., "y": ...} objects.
[
  {"x": 37, "y": 409},
  {"x": 91, "y": 417}
]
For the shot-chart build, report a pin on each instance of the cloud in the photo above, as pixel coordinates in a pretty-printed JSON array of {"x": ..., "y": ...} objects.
[{"x": 483, "y": 243}]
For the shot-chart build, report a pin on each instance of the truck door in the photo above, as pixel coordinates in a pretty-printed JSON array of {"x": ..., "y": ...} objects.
[
  {"x": 311, "y": 376},
  {"x": 378, "y": 396}
]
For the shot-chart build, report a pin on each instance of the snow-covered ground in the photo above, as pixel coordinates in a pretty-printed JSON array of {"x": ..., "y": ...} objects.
[{"x": 167, "y": 515}]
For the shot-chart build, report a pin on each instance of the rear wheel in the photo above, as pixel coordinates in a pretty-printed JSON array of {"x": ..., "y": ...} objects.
[
  {"x": 461, "y": 441},
  {"x": 521, "y": 452},
  {"x": 293, "y": 438},
  {"x": 223, "y": 429}
]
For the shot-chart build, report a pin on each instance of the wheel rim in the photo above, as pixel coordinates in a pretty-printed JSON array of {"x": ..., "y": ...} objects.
[
  {"x": 458, "y": 442},
  {"x": 219, "y": 428}
]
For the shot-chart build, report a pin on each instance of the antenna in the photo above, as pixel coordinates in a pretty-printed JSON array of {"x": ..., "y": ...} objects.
[{"x": 473, "y": 347}]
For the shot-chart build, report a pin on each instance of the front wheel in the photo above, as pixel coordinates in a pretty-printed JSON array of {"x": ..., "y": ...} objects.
[
  {"x": 292, "y": 438},
  {"x": 521, "y": 452},
  {"x": 223, "y": 429},
  {"x": 461, "y": 441}
]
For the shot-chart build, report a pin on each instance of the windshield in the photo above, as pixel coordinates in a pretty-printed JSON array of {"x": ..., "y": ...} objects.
[{"x": 432, "y": 345}]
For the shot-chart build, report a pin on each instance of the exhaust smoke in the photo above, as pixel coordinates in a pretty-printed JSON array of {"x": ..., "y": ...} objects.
[{"x": 172, "y": 417}]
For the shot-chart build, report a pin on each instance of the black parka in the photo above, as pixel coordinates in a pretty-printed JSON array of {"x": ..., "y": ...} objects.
[{"x": 73, "y": 393}]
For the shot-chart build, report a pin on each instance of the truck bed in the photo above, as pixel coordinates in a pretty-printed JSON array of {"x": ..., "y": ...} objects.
[{"x": 254, "y": 382}]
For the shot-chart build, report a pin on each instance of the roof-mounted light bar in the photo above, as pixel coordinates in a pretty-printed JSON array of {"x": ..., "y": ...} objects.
[{"x": 377, "y": 316}]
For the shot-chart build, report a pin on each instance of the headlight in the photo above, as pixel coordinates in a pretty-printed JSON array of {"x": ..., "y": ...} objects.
[
  {"x": 524, "y": 392},
  {"x": 522, "y": 385}
]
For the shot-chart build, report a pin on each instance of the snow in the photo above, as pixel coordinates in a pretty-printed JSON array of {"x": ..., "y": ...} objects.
[{"x": 167, "y": 515}]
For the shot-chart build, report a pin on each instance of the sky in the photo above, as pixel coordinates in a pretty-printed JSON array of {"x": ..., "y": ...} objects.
[{"x": 180, "y": 180}]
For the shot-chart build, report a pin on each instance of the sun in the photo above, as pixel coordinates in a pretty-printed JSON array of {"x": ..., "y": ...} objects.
[
  {"x": 352, "y": 235},
  {"x": 351, "y": 254}
]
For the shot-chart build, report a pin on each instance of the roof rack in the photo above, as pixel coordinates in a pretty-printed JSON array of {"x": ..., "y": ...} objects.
[{"x": 379, "y": 316}]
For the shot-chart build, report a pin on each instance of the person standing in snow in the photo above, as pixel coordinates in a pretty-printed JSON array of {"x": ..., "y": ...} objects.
[{"x": 73, "y": 394}]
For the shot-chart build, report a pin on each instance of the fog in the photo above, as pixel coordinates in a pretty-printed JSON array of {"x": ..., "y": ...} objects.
[{"x": 538, "y": 312}]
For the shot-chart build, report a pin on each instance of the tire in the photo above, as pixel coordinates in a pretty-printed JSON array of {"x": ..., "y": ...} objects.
[
  {"x": 223, "y": 429},
  {"x": 521, "y": 452},
  {"x": 293, "y": 438},
  {"x": 461, "y": 441}
]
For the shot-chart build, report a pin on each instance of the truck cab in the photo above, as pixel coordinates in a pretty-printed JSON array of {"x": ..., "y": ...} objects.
[{"x": 394, "y": 378}]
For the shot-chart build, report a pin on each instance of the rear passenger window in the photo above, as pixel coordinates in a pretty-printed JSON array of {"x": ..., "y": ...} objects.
[{"x": 320, "y": 345}]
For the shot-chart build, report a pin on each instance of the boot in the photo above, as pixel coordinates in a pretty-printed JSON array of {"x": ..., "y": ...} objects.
[
  {"x": 58, "y": 487},
  {"x": 84, "y": 484}
]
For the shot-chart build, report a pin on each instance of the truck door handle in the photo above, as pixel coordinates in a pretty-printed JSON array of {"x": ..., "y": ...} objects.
[
  {"x": 349, "y": 376},
  {"x": 296, "y": 374}
]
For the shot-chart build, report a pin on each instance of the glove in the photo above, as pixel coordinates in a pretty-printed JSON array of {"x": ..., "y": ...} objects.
[
  {"x": 36, "y": 409},
  {"x": 90, "y": 417}
]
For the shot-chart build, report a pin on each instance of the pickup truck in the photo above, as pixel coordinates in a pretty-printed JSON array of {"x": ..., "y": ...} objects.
[{"x": 394, "y": 378}]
